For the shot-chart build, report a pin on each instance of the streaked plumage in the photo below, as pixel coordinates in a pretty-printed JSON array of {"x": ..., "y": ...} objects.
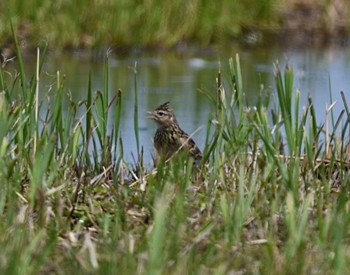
[{"x": 169, "y": 137}]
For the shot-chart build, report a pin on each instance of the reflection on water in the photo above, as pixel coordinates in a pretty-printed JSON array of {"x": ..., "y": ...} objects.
[{"x": 181, "y": 79}]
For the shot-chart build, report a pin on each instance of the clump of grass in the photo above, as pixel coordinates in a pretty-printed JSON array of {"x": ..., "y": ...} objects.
[{"x": 267, "y": 194}]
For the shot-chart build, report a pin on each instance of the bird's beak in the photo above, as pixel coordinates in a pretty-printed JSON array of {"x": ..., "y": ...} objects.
[{"x": 150, "y": 115}]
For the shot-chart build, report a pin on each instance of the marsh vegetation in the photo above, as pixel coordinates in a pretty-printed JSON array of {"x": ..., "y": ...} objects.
[
  {"x": 271, "y": 194},
  {"x": 173, "y": 24}
]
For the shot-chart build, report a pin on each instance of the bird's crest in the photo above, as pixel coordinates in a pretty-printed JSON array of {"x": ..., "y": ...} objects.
[{"x": 165, "y": 106}]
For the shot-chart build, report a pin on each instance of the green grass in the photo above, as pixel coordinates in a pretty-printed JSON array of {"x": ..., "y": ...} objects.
[
  {"x": 267, "y": 199},
  {"x": 155, "y": 24},
  {"x": 90, "y": 24}
]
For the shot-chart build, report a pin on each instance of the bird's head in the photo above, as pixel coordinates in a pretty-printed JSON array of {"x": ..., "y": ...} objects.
[{"x": 163, "y": 115}]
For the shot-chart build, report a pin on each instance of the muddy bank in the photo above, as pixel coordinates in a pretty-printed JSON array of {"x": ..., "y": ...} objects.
[{"x": 311, "y": 23}]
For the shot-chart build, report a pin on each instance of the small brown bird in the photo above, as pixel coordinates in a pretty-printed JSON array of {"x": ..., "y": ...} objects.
[{"x": 169, "y": 137}]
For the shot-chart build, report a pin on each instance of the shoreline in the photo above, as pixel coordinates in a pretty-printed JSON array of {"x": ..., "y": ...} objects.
[{"x": 296, "y": 24}]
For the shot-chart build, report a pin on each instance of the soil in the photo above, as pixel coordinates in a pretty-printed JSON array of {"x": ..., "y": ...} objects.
[{"x": 313, "y": 23}]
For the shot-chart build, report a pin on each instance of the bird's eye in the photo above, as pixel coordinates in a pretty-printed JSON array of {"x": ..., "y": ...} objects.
[{"x": 161, "y": 113}]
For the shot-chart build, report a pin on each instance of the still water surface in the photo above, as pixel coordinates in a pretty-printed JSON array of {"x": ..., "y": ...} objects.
[{"x": 181, "y": 79}]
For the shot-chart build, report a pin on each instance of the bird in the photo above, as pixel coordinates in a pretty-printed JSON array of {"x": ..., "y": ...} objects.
[{"x": 169, "y": 138}]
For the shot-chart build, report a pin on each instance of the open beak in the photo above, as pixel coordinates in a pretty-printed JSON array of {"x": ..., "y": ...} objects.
[{"x": 150, "y": 115}]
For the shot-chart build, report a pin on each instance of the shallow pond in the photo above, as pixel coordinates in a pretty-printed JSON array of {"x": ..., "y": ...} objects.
[{"x": 181, "y": 78}]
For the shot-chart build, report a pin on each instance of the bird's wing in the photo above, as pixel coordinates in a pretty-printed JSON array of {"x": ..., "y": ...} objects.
[{"x": 188, "y": 143}]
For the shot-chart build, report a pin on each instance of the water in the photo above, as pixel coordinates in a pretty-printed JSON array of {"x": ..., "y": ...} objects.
[{"x": 182, "y": 77}]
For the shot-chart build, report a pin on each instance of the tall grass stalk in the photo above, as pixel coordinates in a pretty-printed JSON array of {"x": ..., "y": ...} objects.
[
  {"x": 88, "y": 122},
  {"x": 20, "y": 63},
  {"x": 36, "y": 99},
  {"x": 102, "y": 103},
  {"x": 136, "y": 112},
  {"x": 117, "y": 119}
]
